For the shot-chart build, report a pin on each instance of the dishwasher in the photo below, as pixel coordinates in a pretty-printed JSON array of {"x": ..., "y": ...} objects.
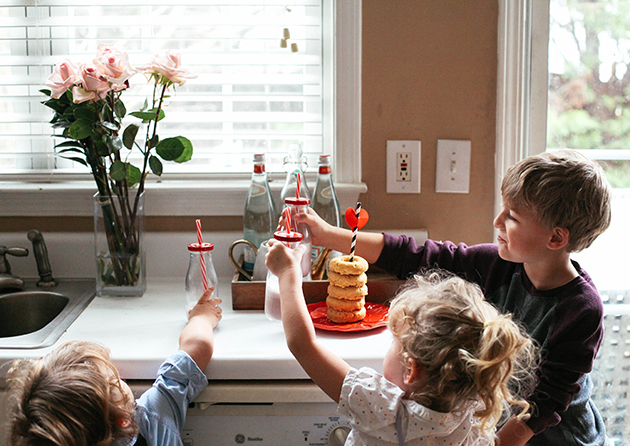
[{"x": 264, "y": 412}]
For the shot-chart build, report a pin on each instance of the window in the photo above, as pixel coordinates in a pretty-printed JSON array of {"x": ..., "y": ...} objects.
[
  {"x": 563, "y": 77},
  {"x": 251, "y": 95}
]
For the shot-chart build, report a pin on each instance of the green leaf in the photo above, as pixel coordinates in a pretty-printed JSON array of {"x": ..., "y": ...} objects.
[
  {"x": 45, "y": 91},
  {"x": 80, "y": 129},
  {"x": 129, "y": 135},
  {"x": 118, "y": 171},
  {"x": 70, "y": 144},
  {"x": 133, "y": 175},
  {"x": 85, "y": 112},
  {"x": 153, "y": 142},
  {"x": 148, "y": 116},
  {"x": 75, "y": 159},
  {"x": 113, "y": 142},
  {"x": 71, "y": 149},
  {"x": 188, "y": 150},
  {"x": 156, "y": 165},
  {"x": 110, "y": 126},
  {"x": 120, "y": 109},
  {"x": 170, "y": 149}
]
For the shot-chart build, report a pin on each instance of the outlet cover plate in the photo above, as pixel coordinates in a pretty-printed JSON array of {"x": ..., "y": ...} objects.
[
  {"x": 394, "y": 186},
  {"x": 453, "y": 166}
]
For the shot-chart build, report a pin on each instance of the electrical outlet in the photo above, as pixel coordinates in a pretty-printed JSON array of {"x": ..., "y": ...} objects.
[
  {"x": 403, "y": 160},
  {"x": 403, "y": 167},
  {"x": 453, "y": 166}
]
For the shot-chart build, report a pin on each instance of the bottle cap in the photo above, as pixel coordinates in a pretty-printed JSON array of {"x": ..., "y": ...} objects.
[
  {"x": 259, "y": 157},
  {"x": 288, "y": 236},
  {"x": 324, "y": 159},
  {"x": 297, "y": 201},
  {"x": 196, "y": 247}
]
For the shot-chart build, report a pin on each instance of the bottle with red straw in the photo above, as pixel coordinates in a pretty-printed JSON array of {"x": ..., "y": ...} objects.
[
  {"x": 299, "y": 205},
  {"x": 201, "y": 273}
]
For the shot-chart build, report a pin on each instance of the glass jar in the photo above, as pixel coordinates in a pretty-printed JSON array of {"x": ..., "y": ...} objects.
[
  {"x": 201, "y": 274},
  {"x": 273, "y": 308}
]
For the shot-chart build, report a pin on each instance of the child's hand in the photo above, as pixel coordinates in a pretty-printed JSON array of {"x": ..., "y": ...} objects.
[
  {"x": 318, "y": 226},
  {"x": 207, "y": 307},
  {"x": 281, "y": 258}
]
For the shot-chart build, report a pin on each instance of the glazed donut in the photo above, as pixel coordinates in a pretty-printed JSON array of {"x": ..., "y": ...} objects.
[
  {"x": 343, "y": 265},
  {"x": 342, "y": 281},
  {"x": 347, "y": 293},
  {"x": 344, "y": 304},
  {"x": 345, "y": 317}
]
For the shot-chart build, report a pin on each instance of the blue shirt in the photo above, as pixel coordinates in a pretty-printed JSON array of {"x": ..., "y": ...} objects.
[{"x": 161, "y": 410}]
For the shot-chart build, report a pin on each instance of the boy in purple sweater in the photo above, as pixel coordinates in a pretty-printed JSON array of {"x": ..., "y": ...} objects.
[{"x": 554, "y": 204}]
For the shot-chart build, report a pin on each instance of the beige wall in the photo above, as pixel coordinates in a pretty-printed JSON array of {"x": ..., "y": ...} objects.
[{"x": 429, "y": 73}]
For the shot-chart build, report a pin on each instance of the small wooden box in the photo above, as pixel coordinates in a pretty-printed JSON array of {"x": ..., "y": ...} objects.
[{"x": 248, "y": 295}]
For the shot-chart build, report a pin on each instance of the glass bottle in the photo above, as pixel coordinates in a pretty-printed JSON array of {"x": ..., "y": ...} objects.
[
  {"x": 195, "y": 274},
  {"x": 300, "y": 206},
  {"x": 294, "y": 164},
  {"x": 273, "y": 308},
  {"x": 260, "y": 217},
  {"x": 326, "y": 204}
]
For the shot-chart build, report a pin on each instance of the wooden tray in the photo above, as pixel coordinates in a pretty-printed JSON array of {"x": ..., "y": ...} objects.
[{"x": 248, "y": 295}]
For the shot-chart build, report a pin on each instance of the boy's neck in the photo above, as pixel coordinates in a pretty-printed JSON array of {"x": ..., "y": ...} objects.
[{"x": 551, "y": 274}]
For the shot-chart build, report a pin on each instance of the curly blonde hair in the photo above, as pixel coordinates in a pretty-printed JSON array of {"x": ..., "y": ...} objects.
[
  {"x": 470, "y": 352},
  {"x": 563, "y": 188},
  {"x": 70, "y": 397}
]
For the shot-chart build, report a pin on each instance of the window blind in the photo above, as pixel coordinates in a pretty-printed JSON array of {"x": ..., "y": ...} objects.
[{"x": 251, "y": 95}]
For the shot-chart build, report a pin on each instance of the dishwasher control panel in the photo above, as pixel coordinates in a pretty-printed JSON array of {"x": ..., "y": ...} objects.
[{"x": 284, "y": 424}]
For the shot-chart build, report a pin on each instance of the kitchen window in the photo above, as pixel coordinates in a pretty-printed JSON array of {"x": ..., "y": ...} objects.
[{"x": 251, "y": 95}]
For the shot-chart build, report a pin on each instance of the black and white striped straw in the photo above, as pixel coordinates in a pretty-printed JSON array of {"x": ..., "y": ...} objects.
[{"x": 355, "y": 230}]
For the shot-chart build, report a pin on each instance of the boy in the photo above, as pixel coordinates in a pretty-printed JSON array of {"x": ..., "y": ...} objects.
[
  {"x": 553, "y": 204},
  {"x": 74, "y": 395}
]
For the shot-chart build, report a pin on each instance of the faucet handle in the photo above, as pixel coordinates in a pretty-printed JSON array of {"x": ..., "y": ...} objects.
[{"x": 16, "y": 251}]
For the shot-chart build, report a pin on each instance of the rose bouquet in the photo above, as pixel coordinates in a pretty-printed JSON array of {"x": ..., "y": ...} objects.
[{"x": 87, "y": 105}]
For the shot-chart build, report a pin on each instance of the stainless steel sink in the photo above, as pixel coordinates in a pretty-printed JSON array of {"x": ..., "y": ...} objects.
[{"x": 36, "y": 318}]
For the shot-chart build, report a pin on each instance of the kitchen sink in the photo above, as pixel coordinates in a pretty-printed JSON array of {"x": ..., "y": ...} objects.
[{"x": 35, "y": 318}]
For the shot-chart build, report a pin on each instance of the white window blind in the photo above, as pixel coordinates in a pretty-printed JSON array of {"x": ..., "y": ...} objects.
[{"x": 250, "y": 96}]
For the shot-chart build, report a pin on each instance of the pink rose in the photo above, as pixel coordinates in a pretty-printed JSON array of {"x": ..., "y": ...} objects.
[
  {"x": 62, "y": 78},
  {"x": 168, "y": 67},
  {"x": 115, "y": 66},
  {"x": 93, "y": 84}
]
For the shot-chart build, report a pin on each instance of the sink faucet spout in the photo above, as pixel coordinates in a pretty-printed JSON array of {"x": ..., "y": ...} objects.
[{"x": 41, "y": 257}]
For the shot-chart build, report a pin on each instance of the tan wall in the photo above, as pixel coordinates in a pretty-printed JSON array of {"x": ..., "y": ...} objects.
[{"x": 429, "y": 73}]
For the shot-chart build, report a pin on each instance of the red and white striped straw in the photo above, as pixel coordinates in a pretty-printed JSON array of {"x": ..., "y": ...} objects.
[
  {"x": 355, "y": 230},
  {"x": 288, "y": 214},
  {"x": 201, "y": 258},
  {"x": 297, "y": 191}
]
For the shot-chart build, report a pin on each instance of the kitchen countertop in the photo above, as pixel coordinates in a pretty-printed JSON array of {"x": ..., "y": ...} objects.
[{"x": 142, "y": 332}]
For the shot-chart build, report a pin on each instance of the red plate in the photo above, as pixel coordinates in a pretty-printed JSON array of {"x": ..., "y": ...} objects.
[{"x": 376, "y": 316}]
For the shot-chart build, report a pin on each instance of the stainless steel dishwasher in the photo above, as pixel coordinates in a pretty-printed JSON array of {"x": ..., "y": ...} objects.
[{"x": 266, "y": 412}]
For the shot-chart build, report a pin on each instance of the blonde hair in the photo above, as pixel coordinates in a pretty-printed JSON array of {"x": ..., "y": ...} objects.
[
  {"x": 563, "y": 189},
  {"x": 470, "y": 352},
  {"x": 70, "y": 397}
]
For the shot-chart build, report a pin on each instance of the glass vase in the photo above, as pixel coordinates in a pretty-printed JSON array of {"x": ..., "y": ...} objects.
[{"x": 118, "y": 233}]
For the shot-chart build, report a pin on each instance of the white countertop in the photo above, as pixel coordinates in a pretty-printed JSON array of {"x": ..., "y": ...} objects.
[{"x": 142, "y": 332}]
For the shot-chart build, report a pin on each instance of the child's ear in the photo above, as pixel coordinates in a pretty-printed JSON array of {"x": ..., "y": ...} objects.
[
  {"x": 559, "y": 238},
  {"x": 413, "y": 372},
  {"x": 123, "y": 423}
]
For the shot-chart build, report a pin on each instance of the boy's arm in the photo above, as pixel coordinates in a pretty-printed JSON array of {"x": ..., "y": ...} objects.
[
  {"x": 514, "y": 433},
  {"x": 369, "y": 244},
  {"x": 197, "y": 337},
  {"x": 325, "y": 368}
]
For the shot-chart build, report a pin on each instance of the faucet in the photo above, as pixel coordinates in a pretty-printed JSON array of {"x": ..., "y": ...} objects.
[
  {"x": 41, "y": 257},
  {"x": 8, "y": 280}
]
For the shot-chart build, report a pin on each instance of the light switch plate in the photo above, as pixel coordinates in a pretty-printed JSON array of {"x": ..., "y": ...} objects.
[
  {"x": 453, "y": 166},
  {"x": 403, "y": 167}
]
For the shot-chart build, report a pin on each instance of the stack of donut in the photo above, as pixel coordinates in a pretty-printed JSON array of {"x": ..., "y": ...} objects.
[{"x": 346, "y": 289}]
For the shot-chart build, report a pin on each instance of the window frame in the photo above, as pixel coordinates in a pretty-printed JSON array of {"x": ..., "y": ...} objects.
[{"x": 224, "y": 195}]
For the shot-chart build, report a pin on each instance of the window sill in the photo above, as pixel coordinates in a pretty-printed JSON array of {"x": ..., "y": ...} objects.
[{"x": 166, "y": 198}]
